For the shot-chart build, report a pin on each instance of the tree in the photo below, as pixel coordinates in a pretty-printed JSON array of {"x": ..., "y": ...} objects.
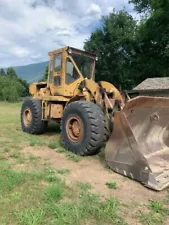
[
  {"x": 10, "y": 89},
  {"x": 142, "y": 6},
  {"x": 129, "y": 52},
  {"x": 152, "y": 36},
  {"x": 11, "y": 72},
  {"x": 114, "y": 45},
  {"x": 25, "y": 85},
  {"x": 2, "y": 72},
  {"x": 45, "y": 76}
]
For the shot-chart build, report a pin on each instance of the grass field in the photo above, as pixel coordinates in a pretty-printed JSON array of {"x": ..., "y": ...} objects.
[{"x": 41, "y": 183}]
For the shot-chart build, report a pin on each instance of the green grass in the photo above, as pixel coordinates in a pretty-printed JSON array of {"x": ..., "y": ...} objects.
[
  {"x": 8, "y": 179},
  {"x": 151, "y": 218},
  {"x": 15, "y": 155},
  {"x": 31, "y": 216},
  {"x": 19, "y": 158},
  {"x": 111, "y": 185},
  {"x": 51, "y": 178},
  {"x": 39, "y": 197},
  {"x": 50, "y": 175},
  {"x": 90, "y": 208},
  {"x": 26, "y": 200},
  {"x": 31, "y": 157},
  {"x": 21, "y": 194},
  {"x": 54, "y": 192},
  {"x": 29, "y": 202},
  {"x": 63, "y": 171},
  {"x": 156, "y": 206},
  {"x": 15, "y": 196},
  {"x": 53, "y": 144},
  {"x": 6, "y": 149},
  {"x": 156, "y": 214},
  {"x": 69, "y": 155},
  {"x": 73, "y": 157},
  {"x": 60, "y": 150},
  {"x": 36, "y": 141},
  {"x": 84, "y": 186}
]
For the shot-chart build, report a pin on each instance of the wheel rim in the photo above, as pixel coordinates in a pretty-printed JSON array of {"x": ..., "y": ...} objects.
[
  {"x": 74, "y": 129},
  {"x": 27, "y": 117}
]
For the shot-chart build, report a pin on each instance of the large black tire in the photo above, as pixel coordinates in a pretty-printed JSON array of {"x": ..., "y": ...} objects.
[
  {"x": 92, "y": 120},
  {"x": 108, "y": 130},
  {"x": 36, "y": 124}
]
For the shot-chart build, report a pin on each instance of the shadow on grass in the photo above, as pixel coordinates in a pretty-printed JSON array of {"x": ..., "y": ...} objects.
[{"x": 52, "y": 129}]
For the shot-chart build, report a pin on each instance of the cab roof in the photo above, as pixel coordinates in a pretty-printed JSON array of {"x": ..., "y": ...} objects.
[{"x": 75, "y": 50}]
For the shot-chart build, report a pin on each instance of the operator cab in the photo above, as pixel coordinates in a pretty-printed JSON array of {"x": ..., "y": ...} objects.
[{"x": 67, "y": 68}]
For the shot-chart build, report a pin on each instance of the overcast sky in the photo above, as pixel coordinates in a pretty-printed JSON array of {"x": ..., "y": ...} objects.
[{"x": 29, "y": 29}]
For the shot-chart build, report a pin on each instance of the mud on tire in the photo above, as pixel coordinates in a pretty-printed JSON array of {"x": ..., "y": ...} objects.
[
  {"x": 91, "y": 119},
  {"x": 35, "y": 125}
]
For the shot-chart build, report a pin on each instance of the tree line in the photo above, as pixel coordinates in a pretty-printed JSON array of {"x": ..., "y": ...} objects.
[
  {"x": 12, "y": 88},
  {"x": 131, "y": 50}
]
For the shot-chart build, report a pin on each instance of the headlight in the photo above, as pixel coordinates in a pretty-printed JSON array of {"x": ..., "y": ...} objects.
[{"x": 70, "y": 51}]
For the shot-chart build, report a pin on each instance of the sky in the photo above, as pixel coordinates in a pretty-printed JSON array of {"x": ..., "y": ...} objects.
[{"x": 29, "y": 29}]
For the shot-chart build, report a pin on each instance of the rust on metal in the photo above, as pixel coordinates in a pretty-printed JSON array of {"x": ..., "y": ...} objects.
[
  {"x": 74, "y": 129},
  {"x": 27, "y": 117},
  {"x": 56, "y": 111},
  {"x": 139, "y": 144}
]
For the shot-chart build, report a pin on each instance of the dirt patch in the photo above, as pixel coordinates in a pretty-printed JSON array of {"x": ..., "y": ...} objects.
[
  {"x": 26, "y": 166},
  {"x": 166, "y": 221},
  {"x": 92, "y": 170}
]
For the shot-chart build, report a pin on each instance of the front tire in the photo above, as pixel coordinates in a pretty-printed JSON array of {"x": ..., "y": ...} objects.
[
  {"x": 82, "y": 128},
  {"x": 31, "y": 116}
]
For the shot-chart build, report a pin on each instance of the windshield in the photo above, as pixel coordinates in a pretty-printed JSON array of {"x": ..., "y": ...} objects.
[{"x": 85, "y": 64}]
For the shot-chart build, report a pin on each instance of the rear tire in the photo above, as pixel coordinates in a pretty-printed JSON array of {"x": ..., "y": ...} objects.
[
  {"x": 89, "y": 138},
  {"x": 31, "y": 116}
]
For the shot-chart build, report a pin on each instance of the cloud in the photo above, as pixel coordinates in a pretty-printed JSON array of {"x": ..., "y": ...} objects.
[
  {"x": 36, "y": 56},
  {"x": 19, "y": 51},
  {"x": 32, "y": 28},
  {"x": 93, "y": 10}
]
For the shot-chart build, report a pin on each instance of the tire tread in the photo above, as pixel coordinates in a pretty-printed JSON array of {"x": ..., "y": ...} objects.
[
  {"x": 38, "y": 125},
  {"x": 95, "y": 118}
]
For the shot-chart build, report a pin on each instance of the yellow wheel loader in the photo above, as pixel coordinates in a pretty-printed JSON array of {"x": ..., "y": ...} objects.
[{"x": 92, "y": 114}]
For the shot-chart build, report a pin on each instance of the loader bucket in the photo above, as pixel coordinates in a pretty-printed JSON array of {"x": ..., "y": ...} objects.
[{"x": 139, "y": 144}]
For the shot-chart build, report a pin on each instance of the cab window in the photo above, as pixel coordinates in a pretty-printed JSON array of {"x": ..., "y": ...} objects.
[
  {"x": 71, "y": 72},
  {"x": 51, "y": 71},
  {"x": 57, "y": 63}
]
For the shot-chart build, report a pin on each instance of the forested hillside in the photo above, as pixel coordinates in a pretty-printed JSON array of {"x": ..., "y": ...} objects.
[{"x": 31, "y": 72}]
